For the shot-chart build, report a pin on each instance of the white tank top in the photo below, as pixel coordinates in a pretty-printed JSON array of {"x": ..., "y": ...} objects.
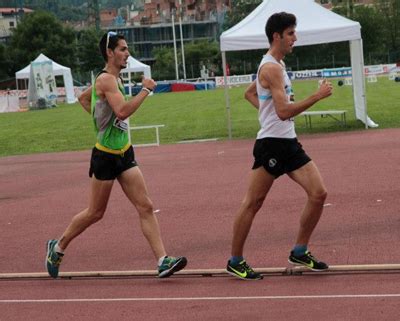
[{"x": 271, "y": 124}]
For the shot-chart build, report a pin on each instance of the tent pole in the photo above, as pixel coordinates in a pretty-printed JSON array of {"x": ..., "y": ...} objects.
[
  {"x": 227, "y": 102},
  {"x": 16, "y": 86}
]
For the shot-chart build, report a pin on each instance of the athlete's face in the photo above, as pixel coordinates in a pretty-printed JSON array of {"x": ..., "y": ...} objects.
[
  {"x": 287, "y": 40},
  {"x": 119, "y": 56}
]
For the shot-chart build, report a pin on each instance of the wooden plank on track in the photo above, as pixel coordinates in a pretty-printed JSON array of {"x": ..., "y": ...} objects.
[
  {"x": 343, "y": 269},
  {"x": 378, "y": 268}
]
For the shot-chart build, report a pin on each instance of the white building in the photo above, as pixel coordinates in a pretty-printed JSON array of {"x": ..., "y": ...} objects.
[{"x": 9, "y": 19}]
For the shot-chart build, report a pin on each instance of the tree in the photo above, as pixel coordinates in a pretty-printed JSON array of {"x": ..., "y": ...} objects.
[
  {"x": 346, "y": 8},
  {"x": 69, "y": 13},
  {"x": 4, "y": 62},
  {"x": 164, "y": 67},
  {"x": 379, "y": 28},
  {"x": 88, "y": 52},
  {"x": 239, "y": 10},
  {"x": 201, "y": 53},
  {"x": 41, "y": 32},
  {"x": 116, "y": 3},
  {"x": 390, "y": 11},
  {"x": 369, "y": 18}
]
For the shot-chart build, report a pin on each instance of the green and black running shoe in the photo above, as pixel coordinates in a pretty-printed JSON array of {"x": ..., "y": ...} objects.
[
  {"x": 243, "y": 271},
  {"x": 170, "y": 265},
  {"x": 308, "y": 261},
  {"x": 53, "y": 259}
]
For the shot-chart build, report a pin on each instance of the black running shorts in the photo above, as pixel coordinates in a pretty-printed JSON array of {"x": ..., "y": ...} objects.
[
  {"x": 279, "y": 155},
  {"x": 106, "y": 166}
]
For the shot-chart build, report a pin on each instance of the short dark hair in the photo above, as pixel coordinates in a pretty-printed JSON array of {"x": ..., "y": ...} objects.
[
  {"x": 279, "y": 22},
  {"x": 113, "y": 39}
]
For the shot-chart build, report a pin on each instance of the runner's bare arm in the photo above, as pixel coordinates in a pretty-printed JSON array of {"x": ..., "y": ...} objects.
[
  {"x": 271, "y": 76},
  {"x": 85, "y": 99},
  {"x": 251, "y": 94},
  {"x": 106, "y": 86}
]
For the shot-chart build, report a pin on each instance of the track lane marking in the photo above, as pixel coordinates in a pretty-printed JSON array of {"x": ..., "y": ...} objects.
[{"x": 221, "y": 298}]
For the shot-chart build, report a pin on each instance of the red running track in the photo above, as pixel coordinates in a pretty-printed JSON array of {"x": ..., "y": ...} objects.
[{"x": 197, "y": 189}]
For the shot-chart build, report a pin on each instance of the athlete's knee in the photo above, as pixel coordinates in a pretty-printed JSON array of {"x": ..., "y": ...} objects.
[
  {"x": 318, "y": 196},
  {"x": 145, "y": 207},
  {"x": 96, "y": 215},
  {"x": 253, "y": 204}
]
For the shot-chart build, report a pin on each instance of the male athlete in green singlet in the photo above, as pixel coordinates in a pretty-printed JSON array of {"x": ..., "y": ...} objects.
[{"x": 113, "y": 158}]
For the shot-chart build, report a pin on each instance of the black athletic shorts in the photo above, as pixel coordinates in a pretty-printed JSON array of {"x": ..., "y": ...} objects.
[
  {"x": 106, "y": 166},
  {"x": 279, "y": 155}
]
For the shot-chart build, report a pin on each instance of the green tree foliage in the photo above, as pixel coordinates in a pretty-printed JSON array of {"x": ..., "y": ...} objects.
[
  {"x": 116, "y": 3},
  {"x": 390, "y": 12},
  {"x": 4, "y": 62},
  {"x": 329, "y": 55},
  {"x": 369, "y": 18},
  {"x": 197, "y": 54},
  {"x": 380, "y": 31},
  {"x": 71, "y": 13},
  {"x": 201, "y": 53},
  {"x": 346, "y": 8},
  {"x": 88, "y": 53},
  {"x": 164, "y": 67},
  {"x": 41, "y": 4},
  {"x": 41, "y": 32},
  {"x": 239, "y": 10}
]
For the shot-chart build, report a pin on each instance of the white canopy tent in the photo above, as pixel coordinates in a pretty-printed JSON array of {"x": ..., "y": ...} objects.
[
  {"x": 315, "y": 25},
  {"x": 58, "y": 70},
  {"x": 132, "y": 67}
]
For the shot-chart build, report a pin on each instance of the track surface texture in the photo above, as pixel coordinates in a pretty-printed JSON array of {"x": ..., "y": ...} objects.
[{"x": 196, "y": 190}]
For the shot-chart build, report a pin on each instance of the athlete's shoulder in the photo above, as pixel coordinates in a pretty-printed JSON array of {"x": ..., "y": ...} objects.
[
  {"x": 104, "y": 76},
  {"x": 106, "y": 82},
  {"x": 271, "y": 68}
]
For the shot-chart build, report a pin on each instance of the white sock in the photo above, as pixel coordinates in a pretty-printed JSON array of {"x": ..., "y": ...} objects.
[
  {"x": 58, "y": 249},
  {"x": 161, "y": 259}
]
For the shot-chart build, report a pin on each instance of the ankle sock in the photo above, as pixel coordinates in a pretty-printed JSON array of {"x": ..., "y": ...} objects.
[
  {"x": 58, "y": 249},
  {"x": 236, "y": 259},
  {"x": 299, "y": 249}
]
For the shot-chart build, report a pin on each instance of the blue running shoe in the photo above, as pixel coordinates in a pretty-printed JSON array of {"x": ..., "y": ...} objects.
[
  {"x": 53, "y": 259},
  {"x": 170, "y": 265}
]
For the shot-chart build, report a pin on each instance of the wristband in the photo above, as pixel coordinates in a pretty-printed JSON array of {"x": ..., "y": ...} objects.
[{"x": 147, "y": 90}]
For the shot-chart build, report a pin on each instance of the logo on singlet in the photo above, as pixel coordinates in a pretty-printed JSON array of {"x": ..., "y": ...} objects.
[{"x": 272, "y": 162}]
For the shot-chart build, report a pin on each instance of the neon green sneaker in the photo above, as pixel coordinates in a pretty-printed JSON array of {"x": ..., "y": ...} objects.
[
  {"x": 170, "y": 265},
  {"x": 243, "y": 271},
  {"x": 308, "y": 261},
  {"x": 53, "y": 259}
]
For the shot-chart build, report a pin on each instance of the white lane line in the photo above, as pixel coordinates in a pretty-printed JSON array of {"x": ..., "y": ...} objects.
[{"x": 221, "y": 298}]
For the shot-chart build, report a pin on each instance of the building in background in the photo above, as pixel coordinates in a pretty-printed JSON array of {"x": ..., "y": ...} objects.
[
  {"x": 9, "y": 18},
  {"x": 160, "y": 11},
  {"x": 108, "y": 17},
  {"x": 149, "y": 26}
]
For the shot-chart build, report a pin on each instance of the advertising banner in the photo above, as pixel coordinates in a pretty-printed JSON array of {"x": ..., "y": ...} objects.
[{"x": 42, "y": 90}]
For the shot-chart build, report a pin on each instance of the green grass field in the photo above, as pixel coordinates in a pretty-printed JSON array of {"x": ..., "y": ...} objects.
[{"x": 188, "y": 116}]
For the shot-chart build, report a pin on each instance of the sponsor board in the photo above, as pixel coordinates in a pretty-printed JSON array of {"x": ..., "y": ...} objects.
[{"x": 234, "y": 80}]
